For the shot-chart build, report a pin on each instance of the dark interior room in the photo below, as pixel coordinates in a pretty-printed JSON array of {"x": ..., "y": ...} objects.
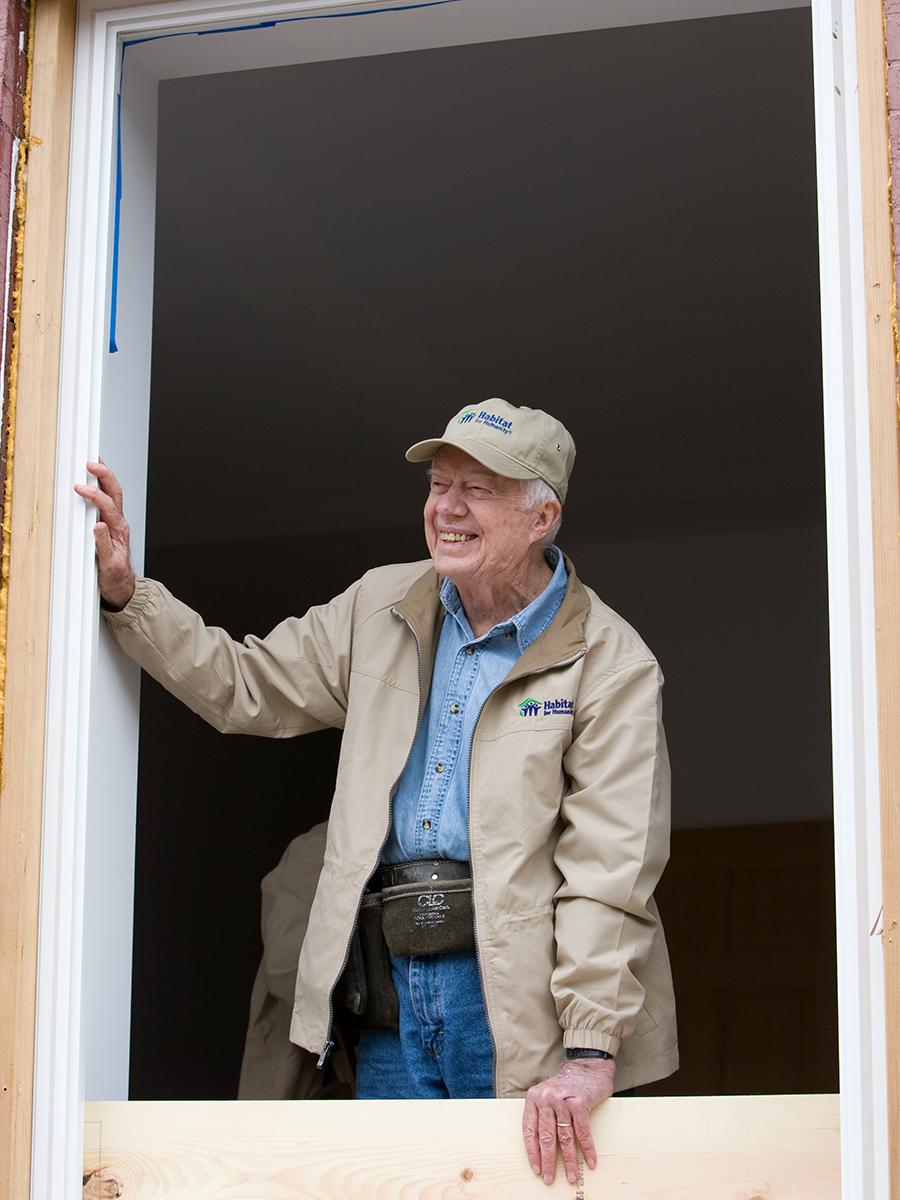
[{"x": 618, "y": 226}]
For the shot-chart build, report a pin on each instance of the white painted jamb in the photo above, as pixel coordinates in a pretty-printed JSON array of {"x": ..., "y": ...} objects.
[
  {"x": 59, "y": 1058},
  {"x": 851, "y": 604}
]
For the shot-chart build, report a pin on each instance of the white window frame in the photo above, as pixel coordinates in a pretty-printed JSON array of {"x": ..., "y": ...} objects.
[{"x": 91, "y": 749}]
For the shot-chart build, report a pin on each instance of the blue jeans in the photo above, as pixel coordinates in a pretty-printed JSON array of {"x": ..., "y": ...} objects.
[{"x": 444, "y": 1049}]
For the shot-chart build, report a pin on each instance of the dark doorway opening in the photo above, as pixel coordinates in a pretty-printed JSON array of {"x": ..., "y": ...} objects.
[{"x": 617, "y": 225}]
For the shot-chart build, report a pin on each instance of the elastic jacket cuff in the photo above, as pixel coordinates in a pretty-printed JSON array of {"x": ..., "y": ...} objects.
[
  {"x": 591, "y": 1039},
  {"x": 141, "y": 599}
]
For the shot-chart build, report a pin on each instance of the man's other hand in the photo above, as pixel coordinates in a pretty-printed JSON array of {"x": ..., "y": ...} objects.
[
  {"x": 559, "y": 1110},
  {"x": 111, "y": 533}
]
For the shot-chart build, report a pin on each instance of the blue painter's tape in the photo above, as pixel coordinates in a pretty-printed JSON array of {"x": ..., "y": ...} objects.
[
  {"x": 239, "y": 28},
  {"x": 114, "y": 289},
  {"x": 368, "y": 12}
]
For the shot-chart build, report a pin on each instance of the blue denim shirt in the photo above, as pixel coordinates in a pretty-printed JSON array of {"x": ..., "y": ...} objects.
[{"x": 430, "y": 815}]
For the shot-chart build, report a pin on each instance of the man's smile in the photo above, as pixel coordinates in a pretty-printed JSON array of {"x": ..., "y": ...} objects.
[{"x": 457, "y": 537}]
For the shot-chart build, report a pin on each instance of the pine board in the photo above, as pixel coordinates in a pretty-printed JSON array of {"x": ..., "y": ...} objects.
[
  {"x": 880, "y": 267},
  {"x": 664, "y": 1148}
]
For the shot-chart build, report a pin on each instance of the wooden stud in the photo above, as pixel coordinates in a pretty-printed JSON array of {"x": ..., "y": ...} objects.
[
  {"x": 29, "y": 593},
  {"x": 684, "y": 1148},
  {"x": 885, "y": 457}
]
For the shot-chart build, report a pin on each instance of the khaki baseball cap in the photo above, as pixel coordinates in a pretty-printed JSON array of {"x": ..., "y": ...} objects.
[{"x": 518, "y": 443}]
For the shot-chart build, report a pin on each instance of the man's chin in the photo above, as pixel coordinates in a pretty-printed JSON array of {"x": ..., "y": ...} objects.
[
  {"x": 454, "y": 566},
  {"x": 455, "y": 551}
]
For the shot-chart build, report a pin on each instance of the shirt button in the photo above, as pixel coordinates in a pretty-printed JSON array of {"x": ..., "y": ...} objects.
[
  {"x": 426, "y": 824},
  {"x": 509, "y": 635},
  {"x": 470, "y": 649},
  {"x": 454, "y": 708},
  {"x": 439, "y": 768}
]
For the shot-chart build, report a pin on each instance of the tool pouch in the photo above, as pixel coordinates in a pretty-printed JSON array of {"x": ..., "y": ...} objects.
[
  {"x": 428, "y": 918},
  {"x": 366, "y": 990},
  {"x": 383, "y": 1010}
]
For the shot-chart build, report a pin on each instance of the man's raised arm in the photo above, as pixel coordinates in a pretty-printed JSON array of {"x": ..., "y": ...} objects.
[{"x": 112, "y": 535}]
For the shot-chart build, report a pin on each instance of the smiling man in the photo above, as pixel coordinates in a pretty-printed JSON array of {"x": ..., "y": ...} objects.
[{"x": 500, "y": 818}]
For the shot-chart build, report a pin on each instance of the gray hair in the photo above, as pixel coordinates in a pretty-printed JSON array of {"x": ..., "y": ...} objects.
[{"x": 534, "y": 493}]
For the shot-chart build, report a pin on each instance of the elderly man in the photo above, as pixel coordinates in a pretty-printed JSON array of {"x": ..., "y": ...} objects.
[{"x": 501, "y": 804}]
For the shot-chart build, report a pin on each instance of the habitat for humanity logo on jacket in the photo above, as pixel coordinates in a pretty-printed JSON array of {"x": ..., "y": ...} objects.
[{"x": 533, "y": 708}]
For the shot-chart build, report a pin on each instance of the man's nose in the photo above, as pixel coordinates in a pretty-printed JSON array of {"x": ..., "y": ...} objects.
[{"x": 451, "y": 501}]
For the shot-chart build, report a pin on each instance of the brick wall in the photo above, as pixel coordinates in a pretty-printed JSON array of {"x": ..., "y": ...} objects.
[
  {"x": 14, "y": 17},
  {"x": 13, "y": 36}
]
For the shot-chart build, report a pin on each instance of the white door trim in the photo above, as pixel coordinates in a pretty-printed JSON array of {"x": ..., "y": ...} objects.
[{"x": 851, "y": 604}]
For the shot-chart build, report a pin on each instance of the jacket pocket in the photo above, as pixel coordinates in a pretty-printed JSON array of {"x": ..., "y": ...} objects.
[{"x": 644, "y": 1022}]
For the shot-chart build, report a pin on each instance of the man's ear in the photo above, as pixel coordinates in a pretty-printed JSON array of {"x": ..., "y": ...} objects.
[{"x": 546, "y": 517}]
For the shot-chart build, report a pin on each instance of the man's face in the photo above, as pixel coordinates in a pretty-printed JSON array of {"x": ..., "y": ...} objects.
[{"x": 476, "y": 530}]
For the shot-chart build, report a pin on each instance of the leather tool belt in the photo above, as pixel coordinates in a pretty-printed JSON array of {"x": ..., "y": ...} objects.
[
  {"x": 409, "y": 908},
  {"x": 426, "y": 906}
]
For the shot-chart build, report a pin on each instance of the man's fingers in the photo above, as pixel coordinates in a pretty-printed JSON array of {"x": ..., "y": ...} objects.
[
  {"x": 530, "y": 1135},
  {"x": 565, "y": 1132},
  {"x": 582, "y": 1124},
  {"x": 107, "y": 481},
  {"x": 547, "y": 1137},
  {"x": 109, "y": 511}
]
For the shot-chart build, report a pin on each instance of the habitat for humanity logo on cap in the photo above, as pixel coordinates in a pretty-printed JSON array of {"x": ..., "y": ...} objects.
[{"x": 473, "y": 416}]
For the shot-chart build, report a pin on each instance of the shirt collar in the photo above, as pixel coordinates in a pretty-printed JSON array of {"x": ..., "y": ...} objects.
[{"x": 527, "y": 624}]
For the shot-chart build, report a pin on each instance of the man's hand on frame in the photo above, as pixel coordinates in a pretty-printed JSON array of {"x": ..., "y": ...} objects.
[
  {"x": 111, "y": 533},
  {"x": 559, "y": 1110}
]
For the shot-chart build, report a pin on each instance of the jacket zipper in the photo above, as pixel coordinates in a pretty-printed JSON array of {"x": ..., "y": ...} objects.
[
  {"x": 329, "y": 1043},
  {"x": 525, "y": 674}
]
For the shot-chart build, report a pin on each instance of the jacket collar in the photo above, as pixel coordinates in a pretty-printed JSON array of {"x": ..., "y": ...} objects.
[
  {"x": 561, "y": 641},
  {"x": 423, "y": 612},
  {"x": 564, "y": 637}
]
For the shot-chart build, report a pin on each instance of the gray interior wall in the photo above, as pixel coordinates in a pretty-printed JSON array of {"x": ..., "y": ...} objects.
[
  {"x": 739, "y": 625},
  {"x": 619, "y": 225}
]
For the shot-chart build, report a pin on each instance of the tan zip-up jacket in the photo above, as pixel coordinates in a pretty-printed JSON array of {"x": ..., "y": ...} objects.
[{"x": 568, "y": 801}]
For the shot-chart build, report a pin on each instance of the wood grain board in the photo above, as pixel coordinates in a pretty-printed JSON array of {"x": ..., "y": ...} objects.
[
  {"x": 880, "y": 265},
  {"x": 664, "y": 1148}
]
